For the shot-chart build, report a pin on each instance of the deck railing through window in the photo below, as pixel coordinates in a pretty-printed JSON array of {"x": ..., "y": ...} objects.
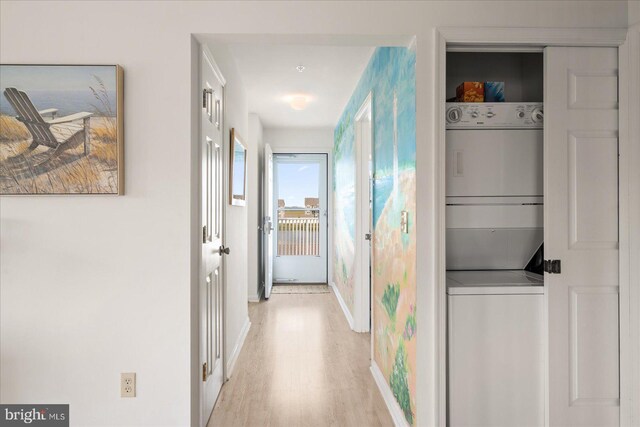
[{"x": 299, "y": 232}]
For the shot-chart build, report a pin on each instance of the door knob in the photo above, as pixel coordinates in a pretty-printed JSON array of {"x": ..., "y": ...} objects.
[{"x": 223, "y": 251}]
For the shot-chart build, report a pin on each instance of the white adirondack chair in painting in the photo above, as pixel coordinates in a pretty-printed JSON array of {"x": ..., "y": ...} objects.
[{"x": 58, "y": 134}]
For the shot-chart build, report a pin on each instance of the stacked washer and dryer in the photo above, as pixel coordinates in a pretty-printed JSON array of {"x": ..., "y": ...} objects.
[{"x": 494, "y": 217}]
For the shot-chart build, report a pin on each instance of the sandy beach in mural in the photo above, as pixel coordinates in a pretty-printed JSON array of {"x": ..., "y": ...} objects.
[
  {"x": 22, "y": 171},
  {"x": 394, "y": 283},
  {"x": 344, "y": 245}
]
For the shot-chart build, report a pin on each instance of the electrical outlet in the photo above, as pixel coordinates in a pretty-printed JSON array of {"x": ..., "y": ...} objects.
[{"x": 128, "y": 384}]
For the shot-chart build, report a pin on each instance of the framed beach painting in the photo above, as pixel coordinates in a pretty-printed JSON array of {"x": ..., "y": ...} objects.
[{"x": 61, "y": 129}]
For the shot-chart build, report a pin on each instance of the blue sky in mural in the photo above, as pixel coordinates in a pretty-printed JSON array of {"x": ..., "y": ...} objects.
[
  {"x": 382, "y": 81},
  {"x": 297, "y": 181}
]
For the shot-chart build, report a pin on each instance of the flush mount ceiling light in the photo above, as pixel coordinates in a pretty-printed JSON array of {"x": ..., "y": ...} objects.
[
  {"x": 298, "y": 101},
  {"x": 300, "y": 68}
]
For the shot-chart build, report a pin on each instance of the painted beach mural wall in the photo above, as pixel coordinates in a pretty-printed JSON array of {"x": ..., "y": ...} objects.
[{"x": 390, "y": 77}]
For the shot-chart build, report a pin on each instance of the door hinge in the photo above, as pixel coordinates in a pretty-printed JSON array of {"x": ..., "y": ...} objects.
[
  {"x": 204, "y": 234},
  {"x": 552, "y": 266},
  {"x": 204, "y": 371},
  {"x": 205, "y": 98},
  {"x": 367, "y": 236}
]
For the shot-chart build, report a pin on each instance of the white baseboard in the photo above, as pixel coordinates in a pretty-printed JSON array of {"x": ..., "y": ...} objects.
[
  {"x": 392, "y": 404},
  {"x": 343, "y": 305},
  {"x": 257, "y": 297},
  {"x": 238, "y": 347}
]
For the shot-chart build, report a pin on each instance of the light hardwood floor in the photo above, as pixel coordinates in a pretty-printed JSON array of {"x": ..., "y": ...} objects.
[{"x": 301, "y": 365}]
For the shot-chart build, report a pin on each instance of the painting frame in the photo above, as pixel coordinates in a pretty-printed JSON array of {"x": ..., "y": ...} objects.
[
  {"x": 235, "y": 141},
  {"x": 35, "y": 124}
]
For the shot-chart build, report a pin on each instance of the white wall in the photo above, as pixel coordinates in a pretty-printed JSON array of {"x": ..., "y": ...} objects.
[
  {"x": 255, "y": 160},
  {"x": 634, "y": 12},
  {"x": 95, "y": 286},
  {"x": 298, "y": 138}
]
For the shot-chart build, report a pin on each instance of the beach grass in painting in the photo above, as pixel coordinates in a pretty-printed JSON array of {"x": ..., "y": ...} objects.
[{"x": 60, "y": 129}]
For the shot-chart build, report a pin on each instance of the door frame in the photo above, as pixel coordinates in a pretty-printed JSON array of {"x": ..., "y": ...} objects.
[
  {"x": 632, "y": 95},
  {"x": 275, "y": 196},
  {"x": 363, "y": 248},
  {"x": 198, "y": 52},
  {"x": 522, "y": 39},
  {"x": 266, "y": 234},
  {"x": 329, "y": 152}
]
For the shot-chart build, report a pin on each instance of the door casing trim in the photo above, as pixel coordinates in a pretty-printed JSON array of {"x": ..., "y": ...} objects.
[{"x": 329, "y": 152}]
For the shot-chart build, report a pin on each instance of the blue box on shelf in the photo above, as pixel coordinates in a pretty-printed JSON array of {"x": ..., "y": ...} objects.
[{"x": 493, "y": 91}]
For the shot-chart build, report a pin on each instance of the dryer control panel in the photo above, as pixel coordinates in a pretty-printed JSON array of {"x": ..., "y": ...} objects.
[{"x": 498, "y": 115}]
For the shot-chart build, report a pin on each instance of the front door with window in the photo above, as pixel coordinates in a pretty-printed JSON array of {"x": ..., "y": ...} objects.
[{"x": 300, "y": 218}]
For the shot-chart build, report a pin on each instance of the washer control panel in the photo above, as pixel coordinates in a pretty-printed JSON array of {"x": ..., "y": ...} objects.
[{"x": 478, "y": 115}]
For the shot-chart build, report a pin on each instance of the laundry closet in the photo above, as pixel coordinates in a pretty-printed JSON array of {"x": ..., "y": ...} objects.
[{"x": 531, "y": 236}]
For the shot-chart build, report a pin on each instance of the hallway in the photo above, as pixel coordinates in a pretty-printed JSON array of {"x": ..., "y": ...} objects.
[{"x": 301, "y": 365}]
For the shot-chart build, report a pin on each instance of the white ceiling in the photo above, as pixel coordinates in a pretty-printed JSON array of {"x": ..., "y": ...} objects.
[{"x": 268, "y": 72}]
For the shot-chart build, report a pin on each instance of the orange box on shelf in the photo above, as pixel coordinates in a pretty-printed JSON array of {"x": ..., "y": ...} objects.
[{"x": 470, "y": 92}]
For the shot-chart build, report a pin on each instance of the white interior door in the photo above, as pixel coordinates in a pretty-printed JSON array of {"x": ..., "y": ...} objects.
[
  {"x": 268, "y": 223},
  {"x": 212, "y": 221},
  {"x": 300, "y": 207},
  {"x": 581, "y": 230}
]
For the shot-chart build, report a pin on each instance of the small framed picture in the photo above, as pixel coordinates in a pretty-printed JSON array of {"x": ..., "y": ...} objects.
[{"x": 238, "y": 171}]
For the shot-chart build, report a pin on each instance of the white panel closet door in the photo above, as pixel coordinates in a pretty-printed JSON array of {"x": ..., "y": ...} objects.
[{"x": 581, "y": 230}]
